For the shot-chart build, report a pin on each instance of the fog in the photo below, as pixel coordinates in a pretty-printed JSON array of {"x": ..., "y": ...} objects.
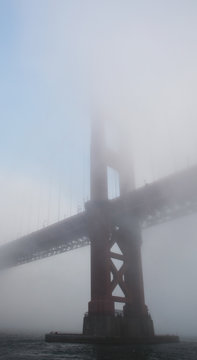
[{"x": 132, "y": 64}]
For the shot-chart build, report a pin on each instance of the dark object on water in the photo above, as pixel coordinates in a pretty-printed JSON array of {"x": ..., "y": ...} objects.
[{"x": 116, "y": 340}]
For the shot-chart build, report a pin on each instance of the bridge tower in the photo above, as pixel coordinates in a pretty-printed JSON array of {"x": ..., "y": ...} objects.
[{"x": 106, "y": 230}]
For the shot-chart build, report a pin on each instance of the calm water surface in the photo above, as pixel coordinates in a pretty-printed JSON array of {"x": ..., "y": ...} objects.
[{"x": 24, "y": 348}]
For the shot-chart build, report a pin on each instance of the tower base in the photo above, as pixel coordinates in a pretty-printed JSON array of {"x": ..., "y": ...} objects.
[
  {"x": 114, "y": 329},
  {"x": 134, "y": 326}
]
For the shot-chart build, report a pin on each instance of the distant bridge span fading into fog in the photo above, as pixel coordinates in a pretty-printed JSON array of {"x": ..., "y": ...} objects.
[{"x": 161, "y": 201}]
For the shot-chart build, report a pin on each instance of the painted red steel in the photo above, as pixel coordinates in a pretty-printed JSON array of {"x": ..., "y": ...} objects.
[{"x": 104, "y": 234}]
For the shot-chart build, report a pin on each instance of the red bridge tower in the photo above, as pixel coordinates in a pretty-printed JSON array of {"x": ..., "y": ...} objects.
[{"x": 106, "y": 230}]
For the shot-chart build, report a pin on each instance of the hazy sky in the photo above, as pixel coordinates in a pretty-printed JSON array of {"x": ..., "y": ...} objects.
[{"x": 61, "y": 61}]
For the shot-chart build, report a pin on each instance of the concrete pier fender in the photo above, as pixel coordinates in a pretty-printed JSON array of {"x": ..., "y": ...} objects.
[{"x": 105, "y": 340}]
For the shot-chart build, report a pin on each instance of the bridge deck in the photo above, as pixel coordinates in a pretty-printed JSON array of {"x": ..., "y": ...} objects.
[
  {"x": 63, "y": 236},
  {"x": 161, "y": 201}
]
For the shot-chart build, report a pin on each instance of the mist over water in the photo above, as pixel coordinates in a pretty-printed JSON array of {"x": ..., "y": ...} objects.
[{"x": 133, "y": 65}]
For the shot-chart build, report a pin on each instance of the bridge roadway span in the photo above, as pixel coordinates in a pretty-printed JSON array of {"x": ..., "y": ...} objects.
[{"x": 163, "y": 200}]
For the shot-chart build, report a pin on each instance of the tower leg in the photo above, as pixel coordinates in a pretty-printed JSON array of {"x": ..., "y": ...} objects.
[
  {"x": 101, "y": 306},
  {"x": 137, "y": 320}
]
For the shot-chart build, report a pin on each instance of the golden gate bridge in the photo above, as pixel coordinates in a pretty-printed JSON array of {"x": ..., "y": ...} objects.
[{"x": 106, "y": 222}]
